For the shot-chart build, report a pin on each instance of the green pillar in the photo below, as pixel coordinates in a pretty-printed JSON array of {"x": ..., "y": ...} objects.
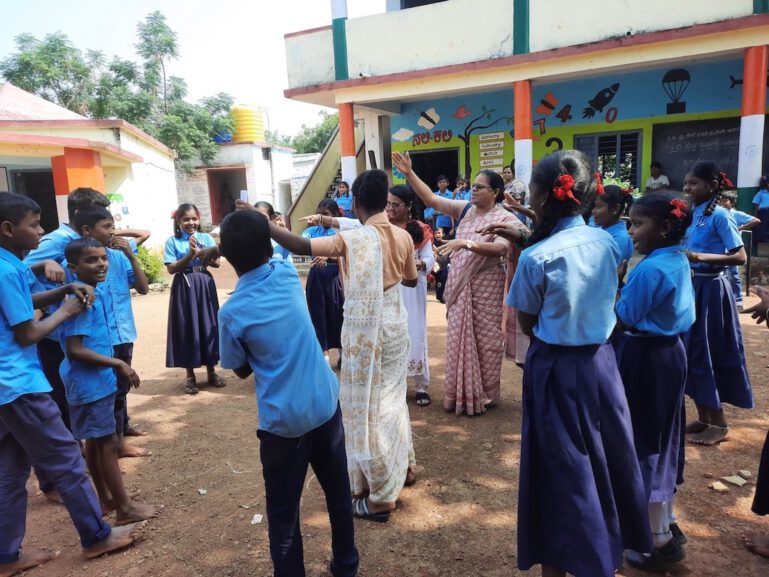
[
  {"x": 339, "y": 33},
  {"x": 760, "y": 6},
  {"x": 521, "y": 26}
]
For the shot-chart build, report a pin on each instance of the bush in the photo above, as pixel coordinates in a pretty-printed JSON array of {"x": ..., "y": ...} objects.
[{"x": 152, "y": 264}]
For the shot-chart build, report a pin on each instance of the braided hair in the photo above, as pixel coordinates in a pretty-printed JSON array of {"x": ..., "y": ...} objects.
[
  {"x": 566, "y": 180},
  {"x": 666, "y": 207},
  {"x": 709, "y": 172}
]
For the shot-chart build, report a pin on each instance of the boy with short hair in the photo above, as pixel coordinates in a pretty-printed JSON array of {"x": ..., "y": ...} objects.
[
  {"x": 444, "y": 221},
  {"x": 123, "y": 273},
  {"x": 300, "y": 421},
  {"x": 744, "y": 221},
  {"x": 31, "y": 428},
  {"x": 89, "y": 375}
]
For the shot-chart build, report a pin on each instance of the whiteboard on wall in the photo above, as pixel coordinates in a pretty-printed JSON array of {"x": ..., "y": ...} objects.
[{"x": 4, "y": 180}]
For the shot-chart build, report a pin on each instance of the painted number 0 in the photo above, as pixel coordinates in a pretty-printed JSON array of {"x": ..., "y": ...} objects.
[{"x": 611, "y": 114}]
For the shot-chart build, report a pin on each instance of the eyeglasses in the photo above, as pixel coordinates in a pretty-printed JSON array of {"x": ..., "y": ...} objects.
[
  {"x": 395, "y": 204},
  {"x": 477, "y": 186}
]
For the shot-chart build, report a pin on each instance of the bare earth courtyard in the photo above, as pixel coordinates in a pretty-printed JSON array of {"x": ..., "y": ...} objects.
[{"x": 459, "y": 519}]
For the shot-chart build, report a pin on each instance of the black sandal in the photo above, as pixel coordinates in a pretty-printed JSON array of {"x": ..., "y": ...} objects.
[
  {"x": 215, "y": 380},
  {"x": 191, "y": 386},
  {"x": 360, "y": 510},
  {"x": 423, "y": 399}
]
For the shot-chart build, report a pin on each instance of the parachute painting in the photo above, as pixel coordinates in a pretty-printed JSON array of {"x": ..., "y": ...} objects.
[{"x": 674, "y": 83}]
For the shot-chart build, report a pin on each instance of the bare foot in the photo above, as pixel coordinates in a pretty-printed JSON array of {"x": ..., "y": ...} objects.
[
  {"x": 127, "y": 450},
  {"x": 27, "y": 561},
  {"x": 53, "y": 497},
  {"x": 132, "y": 432},
  {"x": 695, "y": 427},
  {"x": 411, "y": 478},
  {"x": 756, "y": 543},
  {"x": 119, "y": 538},
  {"x": 710, "y": 436},
  {"x": 137, "y": 512},
  {"x": 108, "y": 506}
]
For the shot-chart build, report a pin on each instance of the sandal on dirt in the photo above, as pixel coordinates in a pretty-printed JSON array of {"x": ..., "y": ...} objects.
[
  {"x": 215, "y": 380},
  {"x": 191, "y": 386},
  {"x": 712, "y": 435},
  {"x": 360, "y": 510},
  {"x": 423, "y": 399}
]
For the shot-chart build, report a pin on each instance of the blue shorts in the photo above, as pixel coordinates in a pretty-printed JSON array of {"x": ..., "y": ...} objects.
[{"x": 94, "y": 420}]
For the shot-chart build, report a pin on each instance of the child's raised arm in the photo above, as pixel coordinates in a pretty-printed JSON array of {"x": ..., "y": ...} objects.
[
  {"x": 139, "y": 235},
  {"x": 140, "y": 279},
  {"x": 31, "y": 332}
]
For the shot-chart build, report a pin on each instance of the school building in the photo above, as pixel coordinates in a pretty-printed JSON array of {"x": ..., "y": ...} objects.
[
  {"x": 466, "y": 84},
  {"x": 46, "y": 151}
]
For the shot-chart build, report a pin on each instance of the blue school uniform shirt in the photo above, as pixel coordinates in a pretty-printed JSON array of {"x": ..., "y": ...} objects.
[
  {"x": 429, "y": 212},
  {"x": 443, "y": 220},
  {"x": 740, "y": 218},
  {"x": 296, "y": 390},
  {"x": 569, "y": 280},
  {"x": 762, "y": 199},
  {"x": 318, "y": 232},
  {"x": 658, "y": 297},
  {"x": 51, "y": 247},
  {"x": 714, "y": 234},
  {"x": 464, "y": 195},
  {"x": 344, "y": 201},
  {"x": 120, "y": 279},
  {"x": 20, "y": 370},
  {"x": 620, "y": 235},
  {"x": 281, "y": 252},
  {"x": 88, "y": 383},
  {"x": 177, "y": 248}
]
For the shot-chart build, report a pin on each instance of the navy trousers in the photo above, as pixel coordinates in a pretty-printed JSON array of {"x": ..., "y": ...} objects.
[
  {"x": 32, "y": 433},
  {"x": 125, "y": 353},
  {"x": 284, "y": 465}
]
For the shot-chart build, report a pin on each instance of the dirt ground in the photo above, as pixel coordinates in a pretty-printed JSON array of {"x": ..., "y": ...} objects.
[{"x": 459, "y": 519}]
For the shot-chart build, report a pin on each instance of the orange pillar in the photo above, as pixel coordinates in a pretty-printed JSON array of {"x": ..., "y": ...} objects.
[
  {"x": 752, "y": 123},
  {"x": 347, "y": 141},
  {"x": 523, "y": 130},
  {"x": 76, "y": 168}
]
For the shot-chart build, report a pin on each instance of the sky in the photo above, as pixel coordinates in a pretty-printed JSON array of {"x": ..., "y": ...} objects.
[{"x": 232, "y": 46}]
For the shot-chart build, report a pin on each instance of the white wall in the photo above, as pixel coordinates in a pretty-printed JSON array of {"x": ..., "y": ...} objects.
[
  {"x": 556, "y": 23},
  {"x": 310, "y": 58},
  {"x": 428, "y": 36}
]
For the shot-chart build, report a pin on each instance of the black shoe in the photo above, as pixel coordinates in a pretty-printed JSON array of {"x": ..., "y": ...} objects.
[
  {"x": 659, "y": 561},
  {"x": 678, "y": 535}
]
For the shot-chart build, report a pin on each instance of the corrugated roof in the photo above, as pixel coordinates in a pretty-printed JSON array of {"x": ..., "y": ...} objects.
[{"x": 18, "y": 104}]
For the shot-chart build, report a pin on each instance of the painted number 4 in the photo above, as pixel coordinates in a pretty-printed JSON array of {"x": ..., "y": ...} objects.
[{"x": 565, "y": 113}]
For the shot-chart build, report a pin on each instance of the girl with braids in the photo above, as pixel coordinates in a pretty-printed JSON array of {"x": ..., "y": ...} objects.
[
  {"x": 581, "y": 498},
  {"x": 654, "y": 308},
  {"x": 717, "y": 371},
  {"x": 608, "y": 210},
  {"x": 325, "y": 297},
  {"x": 474, "y": 289}
]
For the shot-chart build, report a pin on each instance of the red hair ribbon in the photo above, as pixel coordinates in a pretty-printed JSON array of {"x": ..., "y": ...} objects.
[
  {"x": 564, "y": 189},
  {"x": 679, "y": 208},
  {"x": 173, "y": 215},
  {"x": 599, "y": 184},
  {"x": 725, "y": 179},
  {"x": 627, "y": 191}
]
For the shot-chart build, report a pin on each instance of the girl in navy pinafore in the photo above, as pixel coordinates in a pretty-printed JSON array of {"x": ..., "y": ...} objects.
[
  {"x": 714, "y": 348},
  {"x": 655, "y": 307},
  {"x": 581, "y": 499}
]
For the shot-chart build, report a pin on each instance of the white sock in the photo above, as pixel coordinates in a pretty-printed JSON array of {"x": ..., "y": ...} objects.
[{"x": 660, "y": 523}]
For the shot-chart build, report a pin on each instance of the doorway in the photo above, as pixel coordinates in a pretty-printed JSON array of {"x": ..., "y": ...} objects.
[
  {"x": 38, "y": 185},
  {"x": 430, "y": 164},
  {"x": 224, "y": 186}
]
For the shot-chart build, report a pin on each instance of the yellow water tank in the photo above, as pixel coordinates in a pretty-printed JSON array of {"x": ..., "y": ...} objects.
[{"x": 249, "y": 124}]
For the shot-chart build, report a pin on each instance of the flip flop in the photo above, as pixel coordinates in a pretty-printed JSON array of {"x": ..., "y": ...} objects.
[
  {"x": 423, "y": 399},
  {"x": 191, "y": 387},
  {"x": 215, "y": 380},
  {"x": 360, "y": 510}
]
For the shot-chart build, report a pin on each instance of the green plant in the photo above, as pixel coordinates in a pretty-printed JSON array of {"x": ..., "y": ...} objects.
[{"x": 151, "y": 263}]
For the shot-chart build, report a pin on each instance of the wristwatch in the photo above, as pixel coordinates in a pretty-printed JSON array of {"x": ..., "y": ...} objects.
[{"x": 469, "y": 245}]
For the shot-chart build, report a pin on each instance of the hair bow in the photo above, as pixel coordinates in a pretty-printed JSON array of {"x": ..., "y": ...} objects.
[
  {"x": 725, "y": 179},
  {"x": 627, "y": 191},
  {"x": 173, "y": 215},
  {"x": 679, "y": 208},
  {"x": 563, "y": 190},
  {"x": 599, "y": 184}
]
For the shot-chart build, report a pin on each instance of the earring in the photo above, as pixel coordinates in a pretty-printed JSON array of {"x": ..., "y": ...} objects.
[{"x": 664, "y": 234}]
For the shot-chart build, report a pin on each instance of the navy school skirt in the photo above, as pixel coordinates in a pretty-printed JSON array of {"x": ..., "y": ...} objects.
[
  {"x": 325, "y": 299},
  {"x": 761, "y": 499},
  {"x": 193, "y": 329},
  {"x": 653, "y": 370},
  {"x": 581, "y": 499},
  {"x": 716, "y": 357}
]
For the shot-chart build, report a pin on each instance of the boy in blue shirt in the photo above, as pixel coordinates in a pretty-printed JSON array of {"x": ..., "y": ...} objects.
[
  {"x": 31, "y": 428},
  {"x": 89, "y": 375},
  {"x": 300, "y": 422},
  {"x": 744, "y": 222},
  {"x": 123, "y": 273},
  {"x": 444, "y": 221}
]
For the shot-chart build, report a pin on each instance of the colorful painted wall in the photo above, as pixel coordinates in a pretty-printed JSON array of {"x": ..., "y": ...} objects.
[{"x": 679, "y": 110}]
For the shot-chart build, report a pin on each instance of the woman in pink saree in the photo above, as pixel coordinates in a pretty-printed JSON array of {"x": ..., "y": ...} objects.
[{"x": 474, "y": 290}]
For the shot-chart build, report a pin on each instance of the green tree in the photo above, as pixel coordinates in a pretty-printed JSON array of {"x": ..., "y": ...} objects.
[
  {"x": 315, "y": 138},
  {"x": 277, "y": 138},
  {"x": 52, "y": 68},
  {"x": 157, "y": 45}
]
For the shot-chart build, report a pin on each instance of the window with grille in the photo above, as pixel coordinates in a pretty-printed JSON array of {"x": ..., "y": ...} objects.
[{"x": 613, "y": 155}]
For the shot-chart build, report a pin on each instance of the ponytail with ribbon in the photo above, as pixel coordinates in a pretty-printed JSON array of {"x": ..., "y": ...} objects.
[{"x": 563, "y": 190}]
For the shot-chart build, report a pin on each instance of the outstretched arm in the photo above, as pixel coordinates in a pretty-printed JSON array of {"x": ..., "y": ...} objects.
[
  {"x": 293, "y": 242},
  {"x": 403, "y": 164}
]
